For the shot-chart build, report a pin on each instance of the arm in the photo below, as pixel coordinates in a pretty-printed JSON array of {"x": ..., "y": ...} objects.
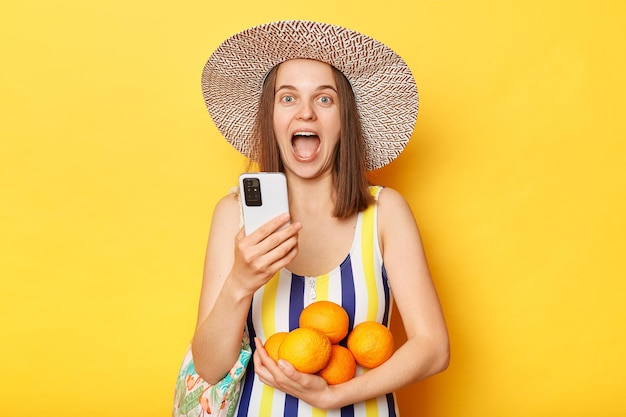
[
  {"x": 426, "y": 350},
  {"x": 235, "y": 267}
]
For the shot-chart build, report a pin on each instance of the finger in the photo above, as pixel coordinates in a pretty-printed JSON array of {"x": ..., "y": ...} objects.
[
  {"x": 288, "y": 379},
  {"x": 264, "y": 357},
  {"x": 291, "y": 230},
  {"x": 283, "y": 255},
  {"x": 264, "y": 366},
  {"x": 287, "y": 369},
  {"x": 240, "y": 235},
  {"x": 270, "y": 227},
  {"x": 283, "y": 240},
  {"x": 263, "y": 374},
  {"x": 267, "y": 236},
  {"x": 259, "y": 345},
  {"x": 279, "y": 249}
]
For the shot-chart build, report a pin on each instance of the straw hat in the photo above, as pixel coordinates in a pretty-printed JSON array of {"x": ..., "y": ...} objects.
[{"x": 384, "y": 87}]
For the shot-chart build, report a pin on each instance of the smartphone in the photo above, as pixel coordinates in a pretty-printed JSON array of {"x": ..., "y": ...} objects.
[{"x": 263, "y": 196}]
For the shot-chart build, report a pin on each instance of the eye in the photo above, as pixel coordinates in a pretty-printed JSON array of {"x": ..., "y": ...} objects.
[
  {"x": 287, "y": 99},
  {"x": 325, "y": 100}
]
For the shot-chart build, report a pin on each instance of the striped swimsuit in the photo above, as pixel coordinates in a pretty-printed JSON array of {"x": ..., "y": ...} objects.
[{"x": 359, "y": 285}]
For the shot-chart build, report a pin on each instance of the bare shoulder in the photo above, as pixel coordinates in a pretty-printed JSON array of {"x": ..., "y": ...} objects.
[
  {"x": 227, "y": 208},
  {"x": 391, "y": 204},
  {"x": 396, "y": 222},
  {"x": 226, "y": 218}
]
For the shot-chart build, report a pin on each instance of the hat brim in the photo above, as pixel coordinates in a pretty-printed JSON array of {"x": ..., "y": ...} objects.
[{"x": 384, "y": 87}]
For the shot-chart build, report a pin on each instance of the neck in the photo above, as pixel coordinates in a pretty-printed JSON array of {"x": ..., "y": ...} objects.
[{"x": 311, "y": 197}]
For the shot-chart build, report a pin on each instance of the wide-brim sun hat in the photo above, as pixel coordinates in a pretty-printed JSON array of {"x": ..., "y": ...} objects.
[{"x": 384, "y": 87}]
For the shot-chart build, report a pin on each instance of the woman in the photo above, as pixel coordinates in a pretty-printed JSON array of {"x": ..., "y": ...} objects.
[{"x": 323, "y": 105}]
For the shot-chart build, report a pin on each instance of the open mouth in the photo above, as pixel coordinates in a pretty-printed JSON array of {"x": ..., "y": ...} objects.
[{"x": 305, "y": 144}]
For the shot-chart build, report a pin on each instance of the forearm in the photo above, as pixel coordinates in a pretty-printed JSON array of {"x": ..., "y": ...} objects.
[
  {"x": 415, "y": 360},
  {"x": 217, "y": 340}
]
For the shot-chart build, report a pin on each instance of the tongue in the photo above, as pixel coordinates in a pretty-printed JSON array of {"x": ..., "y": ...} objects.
[{"x": 305, "y": 146}]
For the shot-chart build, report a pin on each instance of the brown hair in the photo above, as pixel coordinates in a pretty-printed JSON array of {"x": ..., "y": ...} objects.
[{"x": 349, "y": 172}]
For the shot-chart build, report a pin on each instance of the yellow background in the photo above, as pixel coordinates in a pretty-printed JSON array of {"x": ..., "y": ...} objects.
[{"x": 110, "y": 167}]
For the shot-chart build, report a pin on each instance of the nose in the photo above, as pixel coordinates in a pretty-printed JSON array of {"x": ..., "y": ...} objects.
[{"x": 305, "y": 111}]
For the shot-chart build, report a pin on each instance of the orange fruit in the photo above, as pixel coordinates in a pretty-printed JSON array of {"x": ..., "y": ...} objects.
[
  {"x": 308, "y": 350},
  {"x": 327, "y": 317},
  {"x": 273, "y": 343},
  {"x": 371, "y": 343},
  {"x": 340, "y": 368}
]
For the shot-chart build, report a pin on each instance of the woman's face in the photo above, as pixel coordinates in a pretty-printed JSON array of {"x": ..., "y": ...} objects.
[{"x": 306, "y": 117}]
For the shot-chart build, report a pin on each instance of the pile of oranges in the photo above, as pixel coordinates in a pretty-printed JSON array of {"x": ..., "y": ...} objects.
[{"x": 313, "y": 347}]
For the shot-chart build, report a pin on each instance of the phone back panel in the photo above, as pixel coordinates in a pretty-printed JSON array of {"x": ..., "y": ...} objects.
[{"x": 272, "y": 195}]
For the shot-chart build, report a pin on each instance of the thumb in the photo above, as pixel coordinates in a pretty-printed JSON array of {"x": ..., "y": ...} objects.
[
  {"x": 240, "y": 235},
  {"x": 287, "y": 368}
]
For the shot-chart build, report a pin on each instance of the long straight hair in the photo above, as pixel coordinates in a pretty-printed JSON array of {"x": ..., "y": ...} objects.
[{"x": 349, "y": 172}]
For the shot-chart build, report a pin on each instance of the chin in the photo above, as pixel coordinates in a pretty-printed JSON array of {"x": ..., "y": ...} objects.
[{"x": 309, "y": 172}]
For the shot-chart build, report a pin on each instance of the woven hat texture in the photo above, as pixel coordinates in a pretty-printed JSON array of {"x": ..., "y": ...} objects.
[{"x": 384, "y": 87}]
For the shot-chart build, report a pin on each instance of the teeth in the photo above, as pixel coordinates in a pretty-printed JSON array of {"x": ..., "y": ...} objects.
[{"x": 304, "y": 134}]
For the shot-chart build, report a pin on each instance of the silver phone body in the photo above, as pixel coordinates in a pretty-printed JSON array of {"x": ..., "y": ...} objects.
[{"x": 263, "y": 196}]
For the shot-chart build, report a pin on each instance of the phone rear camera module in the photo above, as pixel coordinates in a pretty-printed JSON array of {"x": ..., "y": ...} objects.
[{"x": 252, "y": 191}]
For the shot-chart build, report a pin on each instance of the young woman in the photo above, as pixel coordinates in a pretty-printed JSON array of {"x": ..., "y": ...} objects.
[{"x": 323, "y": 105}]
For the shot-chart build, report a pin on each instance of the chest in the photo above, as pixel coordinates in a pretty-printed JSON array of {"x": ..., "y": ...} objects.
[{"x": 323, "y": 245}]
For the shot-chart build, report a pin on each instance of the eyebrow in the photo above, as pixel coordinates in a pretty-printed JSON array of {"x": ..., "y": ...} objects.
[{"x": 319, "y": 88}]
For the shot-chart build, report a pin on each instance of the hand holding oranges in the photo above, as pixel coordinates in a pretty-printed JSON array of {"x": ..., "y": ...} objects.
[{"x": 313, "y": 347}]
